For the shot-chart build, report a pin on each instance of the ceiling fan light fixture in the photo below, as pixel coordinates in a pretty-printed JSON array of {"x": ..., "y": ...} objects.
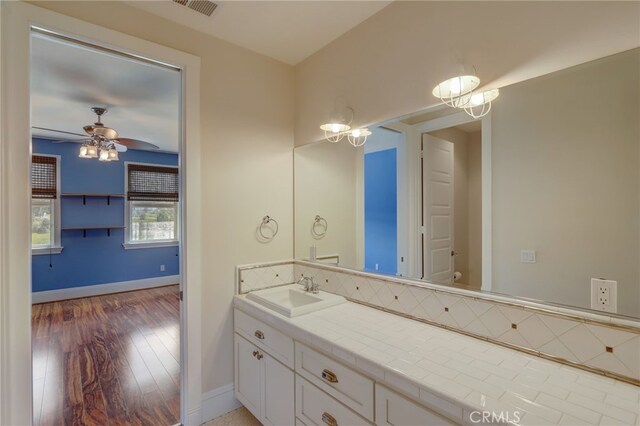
[
  {"x": 83, "y": 151},
  {"x": 92, "y": 151},
  {"x": 104, "y": 155},
  {"x": 113, "y": 154},
  {"x": 105, "y": 132}
]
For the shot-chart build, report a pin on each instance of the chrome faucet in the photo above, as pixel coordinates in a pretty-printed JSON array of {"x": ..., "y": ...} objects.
[{"x": 309, "y": 285}]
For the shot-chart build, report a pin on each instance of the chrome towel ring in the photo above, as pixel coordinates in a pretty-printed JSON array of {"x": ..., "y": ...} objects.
[
  {"x": 319, "y": 227},
  {"x": 265, "y": 221}
]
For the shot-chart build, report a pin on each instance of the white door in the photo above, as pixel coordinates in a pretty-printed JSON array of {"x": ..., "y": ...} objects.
[
  {"x": 248, "y": 375},
  {"x": 278, "y": 393},
  {"x": 437, "y": 198}
]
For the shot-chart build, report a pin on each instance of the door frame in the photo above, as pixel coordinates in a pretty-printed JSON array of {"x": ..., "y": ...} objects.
[
  {"x": 445, "y": 122},
  {"x": 17, "y": 19}
]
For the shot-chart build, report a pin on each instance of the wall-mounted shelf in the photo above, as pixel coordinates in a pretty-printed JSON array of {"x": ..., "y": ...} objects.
[
  {"x": 85, "y": 228},
  {"x": 84, "y": 196}
]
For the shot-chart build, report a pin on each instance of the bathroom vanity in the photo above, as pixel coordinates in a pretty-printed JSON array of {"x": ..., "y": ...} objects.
[{"x": 351, "y": 364}]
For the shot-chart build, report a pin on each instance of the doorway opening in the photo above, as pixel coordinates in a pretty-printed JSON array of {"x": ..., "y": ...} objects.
[{"x": 106, "y": 222}]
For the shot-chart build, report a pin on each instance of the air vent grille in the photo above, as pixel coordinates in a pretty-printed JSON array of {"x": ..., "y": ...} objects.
[{"x": 205, "y": 7}]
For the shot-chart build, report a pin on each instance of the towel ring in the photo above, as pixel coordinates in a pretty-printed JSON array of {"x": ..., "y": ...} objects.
[
  {"x": 266, "y": 220},
  {"x": 321, "y": 222}
]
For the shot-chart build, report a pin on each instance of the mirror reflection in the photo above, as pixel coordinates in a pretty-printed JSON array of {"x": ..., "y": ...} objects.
[{"x": 538, "y": 199}]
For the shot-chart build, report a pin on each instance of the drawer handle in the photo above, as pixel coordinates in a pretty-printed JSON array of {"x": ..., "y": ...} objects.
[
  {"x": 329, "y": 376},
  {"x": 257, "y": 354},
  {"x": 329, "y": 419},
  {"x": 259, "y": 334}
]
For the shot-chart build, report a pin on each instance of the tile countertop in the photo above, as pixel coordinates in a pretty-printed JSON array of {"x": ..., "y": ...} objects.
[{"x": 448, "y": 370}]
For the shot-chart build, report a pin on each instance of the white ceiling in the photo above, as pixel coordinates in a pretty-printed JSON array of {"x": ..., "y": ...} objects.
[
  {"x": 68, "y": 79},
  {"x": 289, "y": 31}
]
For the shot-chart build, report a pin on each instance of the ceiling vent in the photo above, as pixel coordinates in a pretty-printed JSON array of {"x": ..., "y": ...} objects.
[{"x": 205, "y": 7}]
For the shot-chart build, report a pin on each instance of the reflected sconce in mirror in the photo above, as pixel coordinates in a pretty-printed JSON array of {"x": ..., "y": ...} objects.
[
  {"x": 459, "y": 92},
  {"x": 358, "y": 137}
]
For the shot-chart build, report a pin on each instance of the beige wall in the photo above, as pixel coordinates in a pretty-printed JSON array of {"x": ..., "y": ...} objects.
[
  {"x": 327, "y": 184},
  {"x": 566, "y": 176},
  {"x": 247, "y": 136},
  {"x": 387, "y": 66}
]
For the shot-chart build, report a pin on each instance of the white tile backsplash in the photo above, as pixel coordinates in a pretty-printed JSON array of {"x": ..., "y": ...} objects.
[
  {"x": 598, "y": 346},
  {"x": 567, "y": 338}
]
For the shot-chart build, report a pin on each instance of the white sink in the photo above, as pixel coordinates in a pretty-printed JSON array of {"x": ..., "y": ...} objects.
[{"x": 291, "y": 300}]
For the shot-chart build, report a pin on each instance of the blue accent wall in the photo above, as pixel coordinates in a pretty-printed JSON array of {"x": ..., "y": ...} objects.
[
  {"x": 381, "y": 212},
  {"x": 97, "y": 259}
]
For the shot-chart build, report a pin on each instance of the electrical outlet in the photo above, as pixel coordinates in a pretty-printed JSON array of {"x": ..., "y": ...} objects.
[
  {"x": 604, "y": 295},
  {"x": 161, "y": 268},
  {"x": 527, "y": 256}
]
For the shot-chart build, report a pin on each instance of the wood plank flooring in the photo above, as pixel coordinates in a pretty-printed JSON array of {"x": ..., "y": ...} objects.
[{"x": 108, "y": 360}]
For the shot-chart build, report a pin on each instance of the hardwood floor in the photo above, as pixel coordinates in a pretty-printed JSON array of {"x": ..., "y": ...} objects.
[{"x": 108, "y": 360}]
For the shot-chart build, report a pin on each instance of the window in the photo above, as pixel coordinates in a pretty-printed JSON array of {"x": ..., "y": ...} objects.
[
  {"x": 152, "y": 205},
  {"x": 45, "y": 204}
]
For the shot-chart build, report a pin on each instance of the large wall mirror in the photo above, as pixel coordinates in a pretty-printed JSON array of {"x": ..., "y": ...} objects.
[{"x": 534, "y": 200}]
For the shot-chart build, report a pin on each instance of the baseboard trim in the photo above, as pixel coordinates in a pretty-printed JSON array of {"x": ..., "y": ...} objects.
[
  {"x": 99, "y": 289},
  {"x": 218, "y": 402}
]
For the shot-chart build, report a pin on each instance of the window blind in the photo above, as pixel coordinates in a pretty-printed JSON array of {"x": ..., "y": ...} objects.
[
  {"x": 152, "y": 183},
  {"x": 44, "y": 180}
]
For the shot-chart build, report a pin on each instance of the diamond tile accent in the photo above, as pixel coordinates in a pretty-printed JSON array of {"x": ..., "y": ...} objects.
[
  {"x": 462, "y": 313},
  {"x": 582, "y": 343},
  {"x": 495, "y": 321},
  {"x": 535, "y": 332}
]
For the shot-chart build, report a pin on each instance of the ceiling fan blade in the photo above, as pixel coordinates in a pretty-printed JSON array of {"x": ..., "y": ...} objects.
[
  {"x": 70, "y": 140},
  {"x": 136, "y": 144},
  {"x": 58, "y": 131},
  {"x": 119, "y": 147}
]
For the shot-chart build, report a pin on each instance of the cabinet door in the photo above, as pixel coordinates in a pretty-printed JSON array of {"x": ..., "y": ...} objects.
[
  {"x": 278, "y": 396},
  {"x": 247, "y": 376},
  {"x": 393, "y": 409}
]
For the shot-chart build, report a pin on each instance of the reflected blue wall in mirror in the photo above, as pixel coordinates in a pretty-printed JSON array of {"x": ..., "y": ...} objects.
[{"x": 380, "y": 212}]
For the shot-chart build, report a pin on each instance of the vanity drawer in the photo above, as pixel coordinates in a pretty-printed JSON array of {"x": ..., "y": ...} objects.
[
  {"x": 393, "y": 409},
  {"x": 316, "y": 408},
  {"x": 346, "y": 385},
  {"x": 277, "y": 344}
]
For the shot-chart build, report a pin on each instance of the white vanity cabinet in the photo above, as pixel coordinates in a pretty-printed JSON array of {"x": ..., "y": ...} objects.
[
  {"x": 263, "y": 370},
  {"x": 283, "y": 382},
  {"x": 263, "y": 384}
]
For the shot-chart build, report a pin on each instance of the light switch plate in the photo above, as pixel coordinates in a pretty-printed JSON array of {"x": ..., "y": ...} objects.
[
  {"x": 527, "y": 256},
  {"x": 604, "y": 295}
]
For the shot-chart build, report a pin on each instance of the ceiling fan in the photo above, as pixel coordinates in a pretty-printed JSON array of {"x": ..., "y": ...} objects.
[{"x": 102, "y": 142}]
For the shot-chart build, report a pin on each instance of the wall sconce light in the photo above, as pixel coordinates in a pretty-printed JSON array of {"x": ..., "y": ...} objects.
[
  {"x": 459, "y": 92},
  {"x": 451, "y": 92},
  {"x": 479, "y": 104},
  {"x": 339, "y": 123}
]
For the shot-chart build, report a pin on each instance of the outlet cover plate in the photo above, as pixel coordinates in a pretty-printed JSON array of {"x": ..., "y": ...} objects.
[
  {"x": 604, "y": 295},
  {"x": 527, "y": 256}
]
